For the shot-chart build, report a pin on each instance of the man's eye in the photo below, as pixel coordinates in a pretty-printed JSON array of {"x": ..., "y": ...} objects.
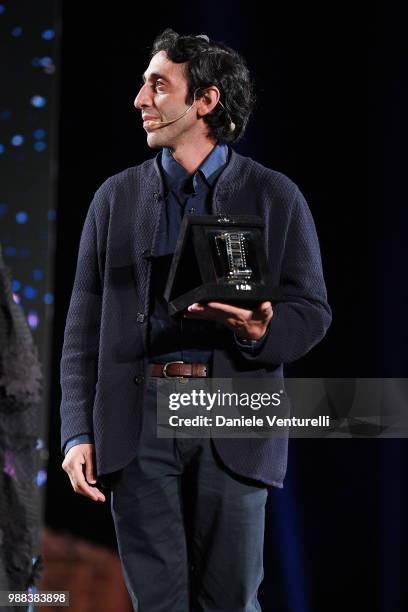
[{"x": 158, "y": 84}]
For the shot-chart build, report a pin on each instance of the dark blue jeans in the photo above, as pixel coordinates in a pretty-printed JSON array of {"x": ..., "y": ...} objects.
[{"x": 190, "y": 532}]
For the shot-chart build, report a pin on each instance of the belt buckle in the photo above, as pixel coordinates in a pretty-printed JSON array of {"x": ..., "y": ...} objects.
[{"x": 165, "y": 375}]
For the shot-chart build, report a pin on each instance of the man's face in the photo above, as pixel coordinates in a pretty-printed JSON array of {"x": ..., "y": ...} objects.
[{"x": 162, "y": 98}]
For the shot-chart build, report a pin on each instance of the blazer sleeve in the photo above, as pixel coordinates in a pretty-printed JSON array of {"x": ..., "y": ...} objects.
[
  {"x": 79, "y": 361},
  {"x": 302, "y": 316},
  {"x": 82, "y": 439}
]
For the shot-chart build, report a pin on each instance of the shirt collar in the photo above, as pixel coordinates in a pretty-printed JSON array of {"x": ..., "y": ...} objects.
[{"x": 211, "y": 167}]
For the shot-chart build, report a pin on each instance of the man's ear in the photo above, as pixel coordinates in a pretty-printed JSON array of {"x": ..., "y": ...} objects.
[{"x": 208, "y": 100}]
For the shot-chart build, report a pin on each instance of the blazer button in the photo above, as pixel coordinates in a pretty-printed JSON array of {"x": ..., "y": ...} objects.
[
  {"x": 138, "y": 380},
  {"x": 140, "y": 317},
  {"x": 146, "y": 253}
]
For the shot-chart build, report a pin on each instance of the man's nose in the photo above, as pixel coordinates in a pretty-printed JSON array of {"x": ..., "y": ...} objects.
[{"x": 142, "y": 98}]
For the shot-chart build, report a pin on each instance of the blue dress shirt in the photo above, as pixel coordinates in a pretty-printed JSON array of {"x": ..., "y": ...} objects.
[{"x": 187, "y": 340}]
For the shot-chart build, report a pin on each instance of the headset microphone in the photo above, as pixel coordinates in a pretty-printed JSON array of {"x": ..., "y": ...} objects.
[
  {"x": 163, "y": 123},
  {"x": 159, "y": 124}
]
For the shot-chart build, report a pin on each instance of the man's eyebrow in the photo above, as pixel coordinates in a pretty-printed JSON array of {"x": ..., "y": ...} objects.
[{"x": 154, "y": 75}]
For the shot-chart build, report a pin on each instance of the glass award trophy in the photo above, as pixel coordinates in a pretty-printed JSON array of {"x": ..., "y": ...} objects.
[{"x": 218, "y": 259}]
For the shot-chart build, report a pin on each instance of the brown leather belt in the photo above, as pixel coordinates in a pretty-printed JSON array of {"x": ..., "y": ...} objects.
[{"x": 179, "y": 368}]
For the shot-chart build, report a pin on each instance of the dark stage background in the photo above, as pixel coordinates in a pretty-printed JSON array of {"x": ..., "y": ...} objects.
[{"x": 332, "y": 98}]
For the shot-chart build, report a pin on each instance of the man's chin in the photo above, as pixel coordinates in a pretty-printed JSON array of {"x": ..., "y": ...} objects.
[{"x": 154, "y": 141}]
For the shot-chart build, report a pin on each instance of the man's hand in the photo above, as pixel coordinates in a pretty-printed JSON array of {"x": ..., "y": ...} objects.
[
  {"x": 249, "y": 324},
  {"x": 76, "y": 457}
]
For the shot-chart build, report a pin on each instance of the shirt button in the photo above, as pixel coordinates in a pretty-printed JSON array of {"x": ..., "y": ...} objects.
[
  {"x": 192, "y": 210},
  {"x": 138, "y": 380},
  {"x": 140, "y": 317}
]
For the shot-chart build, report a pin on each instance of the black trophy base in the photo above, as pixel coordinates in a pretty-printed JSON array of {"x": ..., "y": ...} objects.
[{"x": 213, "y": 292}]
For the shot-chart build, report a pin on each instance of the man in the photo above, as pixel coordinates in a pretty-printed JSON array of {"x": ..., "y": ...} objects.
[{"x": 188, "y": 513}]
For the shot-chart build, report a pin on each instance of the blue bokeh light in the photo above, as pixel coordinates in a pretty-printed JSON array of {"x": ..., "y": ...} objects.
[
  {"x": 39, "y": 134},
  {"x": 2, "y": 148},
  {"x": 47, "y": 34},
  {"x": 48, "y": 298},
  {"x": 3, "y": 208},
  {"x": 17, "y": 31},
  {"x": 15, "y": 285},
  {"x": 5, "y": 115},
  {"x": 40, "y": 146},
  {"x": 38, "y": 101},
  {"x": 21, "y": 217},
  {"x": 40, "y": 444},
  {"x": 52, "y": 214},
  {"x": 2, "y": 9},
  {"x": 38, "y": 274},
  {"x": 17, "y": 140},
  {"x": 41, "y": 478},
  {"x": 46, "y": 61},
  {"x": 30, "y": 292},
  {"x": 43, "y": 62}
]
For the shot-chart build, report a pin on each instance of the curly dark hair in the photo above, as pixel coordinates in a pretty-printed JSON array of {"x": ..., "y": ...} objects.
[{"x": 213, "y": 63}]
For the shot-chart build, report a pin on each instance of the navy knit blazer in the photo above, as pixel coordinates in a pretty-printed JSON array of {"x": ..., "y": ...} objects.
[{"x": 104, "y": 363}]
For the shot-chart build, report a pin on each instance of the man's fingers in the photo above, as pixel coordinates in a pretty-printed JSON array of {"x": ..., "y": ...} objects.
[
  {"x": 229, "y": 309},
  {"x": 84, "y": 488},
  {"x": 217, "y": 309},
  {"x": 214, "y": 309},
  {"x": 79, "y": 462},
  {"x": 80, "y": 486},
  {"x": 266, "y": 308},
  {"x": 89, "y": 472}
]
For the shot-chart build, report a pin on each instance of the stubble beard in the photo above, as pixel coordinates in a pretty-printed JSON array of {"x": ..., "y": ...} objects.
[
  {"x": 153, "y": 141},
  {"x": 163, "y": 137}
]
